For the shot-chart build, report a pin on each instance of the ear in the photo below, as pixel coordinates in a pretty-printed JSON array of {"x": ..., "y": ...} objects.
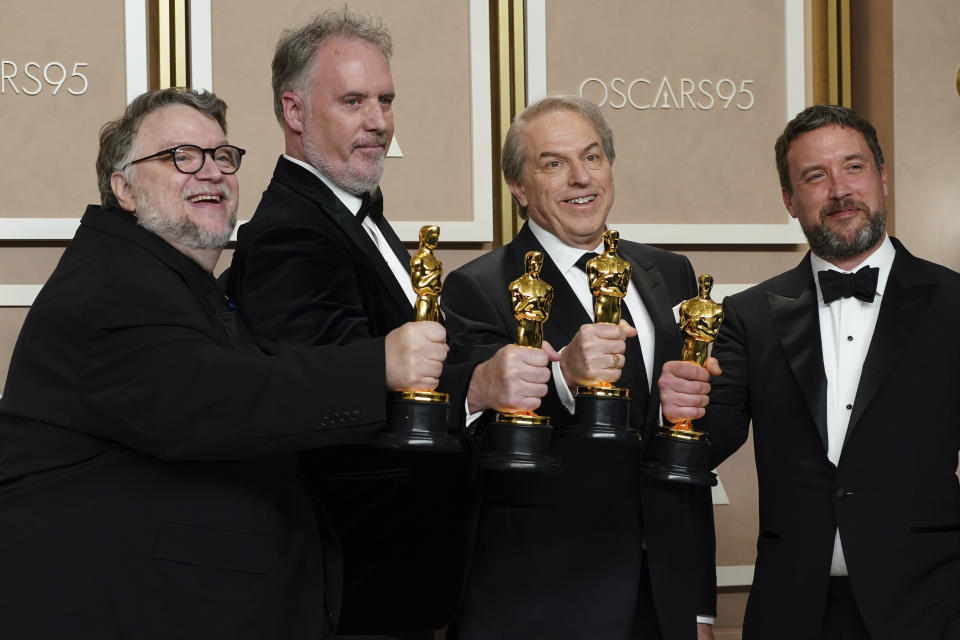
[
  {"x": 294, "y": 111},
  {"x": 787, "y": 201},
  {"x": 123, "y": 190},
  {"x": 518, "y": 193},
  {"x": 883, "y": 180}
]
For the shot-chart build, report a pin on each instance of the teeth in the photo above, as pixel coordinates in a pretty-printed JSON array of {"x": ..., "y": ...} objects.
[
  {"x": 583, "y": 200},
  {"x": 205, "y": 197}
]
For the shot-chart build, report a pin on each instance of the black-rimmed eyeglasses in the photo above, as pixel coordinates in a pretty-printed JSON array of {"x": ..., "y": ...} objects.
[{"x": 189, "y": 158}]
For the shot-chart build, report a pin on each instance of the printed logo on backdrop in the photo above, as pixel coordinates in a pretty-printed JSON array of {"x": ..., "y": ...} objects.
[
  {"x": 681, "y": 94},
  {"x": 33, "y": 78}
]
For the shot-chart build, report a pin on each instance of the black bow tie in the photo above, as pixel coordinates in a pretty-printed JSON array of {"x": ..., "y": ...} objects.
[
  {"x": 584, "y": 259},
  {"x": 861, "y": 285},
  {"x": 371, "y": 206}
]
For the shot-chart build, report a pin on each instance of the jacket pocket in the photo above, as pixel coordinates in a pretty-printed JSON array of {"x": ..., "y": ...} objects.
[{"x": 231, "y": 550}]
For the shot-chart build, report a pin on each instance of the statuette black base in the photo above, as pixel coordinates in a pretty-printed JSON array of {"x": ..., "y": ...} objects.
[
  {"x": 417, "y": 420},
  {"x": 679, "y": 456},
  {"x": 518, "y": 442},
  {"x": 602, "y": 413}
]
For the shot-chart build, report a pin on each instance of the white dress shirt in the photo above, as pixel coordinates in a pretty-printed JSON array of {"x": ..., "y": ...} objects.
[
  {"x": 846, "y": 329},
  {"x": 400, "y": 272},
  {"x": 565, "y": 257}
]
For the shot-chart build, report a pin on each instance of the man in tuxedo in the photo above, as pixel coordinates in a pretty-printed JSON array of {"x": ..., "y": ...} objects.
[
  {"x": 148, "y": 482},
  {"x": 593, "y": 551},
  {"x": 319, "y": 264},
  {"x": 845, "y": 367}
]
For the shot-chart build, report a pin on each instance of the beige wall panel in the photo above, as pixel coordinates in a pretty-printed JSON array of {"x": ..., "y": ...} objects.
[
  {"x": 27, "y": 264},
  {"x": 50, "y": 140},
  {"x": 431, "y": 70},
  {"x": 678, "y": 162},
  {"x": 926, "y": 47}
]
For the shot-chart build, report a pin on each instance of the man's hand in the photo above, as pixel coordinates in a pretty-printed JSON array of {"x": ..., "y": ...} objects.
[
  {"x": 595, "y": 354},
  {"x": 415, "y": 353},
  {"x": 514, "y": 379},
  {"x": 704, "y": 631},
  {"x": 684, "y": 388}
]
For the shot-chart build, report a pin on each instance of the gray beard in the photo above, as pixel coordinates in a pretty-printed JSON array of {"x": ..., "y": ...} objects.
[
  {"x": 831, "y": 246},
  {"x": 345, "y": 178},
  {"x": 185, "y": 231}
]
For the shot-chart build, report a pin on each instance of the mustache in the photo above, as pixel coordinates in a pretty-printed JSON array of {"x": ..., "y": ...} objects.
[
  {"x": 371, "y": 140},
  {"x": 840, "y": 205}
]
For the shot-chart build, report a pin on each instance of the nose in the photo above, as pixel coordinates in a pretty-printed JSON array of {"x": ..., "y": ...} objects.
[
  {"x": 579, "y": 175},
  {"x": 209, "y": 170},
  {"x": 839, "y": 187},
  {"x": 376, "y": 117}
]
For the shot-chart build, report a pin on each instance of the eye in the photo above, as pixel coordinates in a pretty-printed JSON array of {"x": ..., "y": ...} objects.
[
  {"x": 353, "y": 102},
  {"x": 386, "y": 100}
]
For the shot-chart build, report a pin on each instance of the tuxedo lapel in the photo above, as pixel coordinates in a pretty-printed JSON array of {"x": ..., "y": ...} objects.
[
  {"x": 566, "y": 313},
  {"x": 903, "y": 304},
  {"x": 308, "y": 185},
  {"x": 653, "y": 293},
  {"x": 797, "y": 322}
]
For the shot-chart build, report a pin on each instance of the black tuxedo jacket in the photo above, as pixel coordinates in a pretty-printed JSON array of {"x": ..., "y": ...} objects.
[
  {"x": 559, "y": 555},
  {"x": 894, "y": 493},
  {"x": 147, "y": 488},
  {"x": 305, "y": 272}
]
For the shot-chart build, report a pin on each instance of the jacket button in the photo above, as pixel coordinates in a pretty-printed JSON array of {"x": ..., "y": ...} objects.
[{"x": 842, "y": 493}]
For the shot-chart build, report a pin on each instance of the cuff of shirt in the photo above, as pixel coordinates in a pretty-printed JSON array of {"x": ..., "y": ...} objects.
[
  {"x": 706, "y": 619},
  {"x": 563, "y": 391}
]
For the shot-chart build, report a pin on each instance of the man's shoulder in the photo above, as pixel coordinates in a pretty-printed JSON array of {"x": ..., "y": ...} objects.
[
  {"x": 660, "y": 258},
  {"x": 492, "y": 265}
]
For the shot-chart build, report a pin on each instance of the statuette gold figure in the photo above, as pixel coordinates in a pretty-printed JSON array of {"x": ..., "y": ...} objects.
[
  {"x": 531, "y": 298},
  {"x": 426, "y": 273},
  {"x": 609, "y": 276}
]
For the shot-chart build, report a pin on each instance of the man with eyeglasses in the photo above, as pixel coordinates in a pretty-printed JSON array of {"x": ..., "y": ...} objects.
[
  {"x": 148, "y": 482},
  {"x": 319, "y": 264}
]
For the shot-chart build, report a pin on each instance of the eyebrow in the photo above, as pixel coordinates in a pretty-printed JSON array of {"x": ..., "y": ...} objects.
[
  {"x": 555, "y": 154},
  {"x": 814, "y": 167}
]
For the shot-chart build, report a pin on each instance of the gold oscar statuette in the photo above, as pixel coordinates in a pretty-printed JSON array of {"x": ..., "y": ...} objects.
[
  {"x": 679, "y": 453},
  {"x": 418, "y": 417},
  {"x": 521, "y": 440},
  {"x": 602, "y": 409}
]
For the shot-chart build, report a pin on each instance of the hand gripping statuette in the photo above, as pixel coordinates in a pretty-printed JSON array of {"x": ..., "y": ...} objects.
[
  {"x": 522, "y": 440},
  {"x": 418, "y": 418},
  {"x": 680, "y": 453},
  {"x": 602, "y": 409}
]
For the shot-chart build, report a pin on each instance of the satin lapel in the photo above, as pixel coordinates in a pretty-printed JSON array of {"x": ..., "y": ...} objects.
[
  {"x": 904, "y": 303},
  {"x": 566, "y": 313},
  {"x": 309, "y": 185},
  {"x": 649, "y": 284},
  {"x": 797, "y": 322}
]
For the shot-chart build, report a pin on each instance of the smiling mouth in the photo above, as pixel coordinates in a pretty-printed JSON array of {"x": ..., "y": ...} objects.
[
  {"x": 581, "y": 200},
  {"x": 205, "y": 197}
]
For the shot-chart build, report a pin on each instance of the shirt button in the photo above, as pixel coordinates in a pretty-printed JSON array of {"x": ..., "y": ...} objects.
[
  {"x": 849, "y": 406},
  {"x": 849, "y": 338}
]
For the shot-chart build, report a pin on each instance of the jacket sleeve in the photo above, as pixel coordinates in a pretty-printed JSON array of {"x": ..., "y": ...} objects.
[{"x": 155, "y": 376}]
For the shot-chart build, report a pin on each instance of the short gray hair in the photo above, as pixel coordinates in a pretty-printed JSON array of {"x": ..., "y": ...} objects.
[
  {"x": 117, "y": 136},
  {"x": 514, "y": 154},
  {"x": 294, "y": 56}
]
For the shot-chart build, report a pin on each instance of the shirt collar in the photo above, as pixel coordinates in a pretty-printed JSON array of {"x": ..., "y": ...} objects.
[
  {"x": 349, "y": 200},
  {"x": 562, "y": 254},
  {"x": 882, "y": 258}
]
